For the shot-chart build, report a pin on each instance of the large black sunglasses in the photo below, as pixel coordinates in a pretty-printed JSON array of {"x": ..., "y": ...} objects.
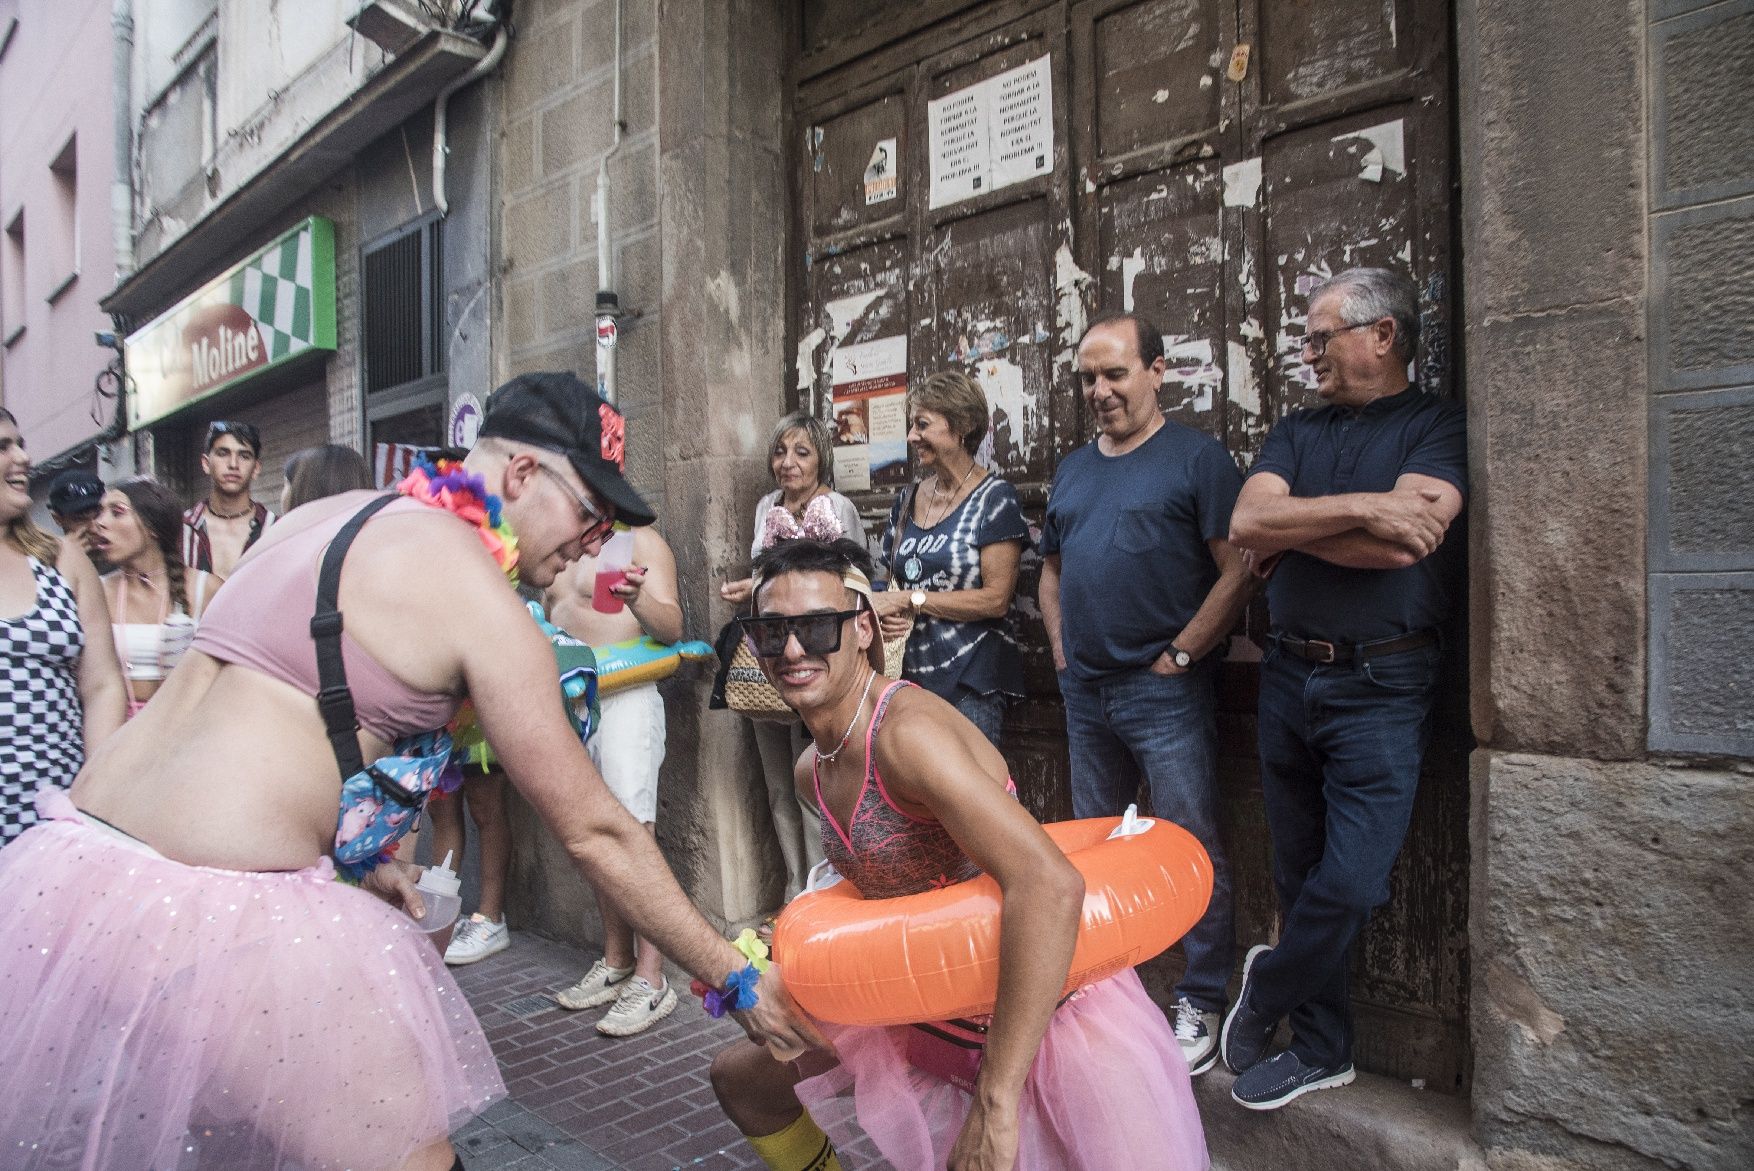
[{"x": 818, "y": 634}]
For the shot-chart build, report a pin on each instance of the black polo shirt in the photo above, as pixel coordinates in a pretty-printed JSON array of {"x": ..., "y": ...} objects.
[{"x": 1333, "y": 449}]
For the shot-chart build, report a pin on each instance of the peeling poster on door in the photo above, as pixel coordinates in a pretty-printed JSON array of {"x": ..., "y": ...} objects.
[
  {"x": 870, "y": 414},
  {"x": 880, "y": 173}
]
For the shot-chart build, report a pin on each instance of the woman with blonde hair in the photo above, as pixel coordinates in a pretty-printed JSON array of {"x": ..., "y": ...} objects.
[
  {"x": 155, "y": 600},
  {"x": 63, "y": 690},
  {"x": 952, "y": 548},
  {"x": 803, "y": 503}
]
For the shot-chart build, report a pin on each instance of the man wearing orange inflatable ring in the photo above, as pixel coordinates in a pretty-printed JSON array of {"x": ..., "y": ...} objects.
[{"x": 913, "y": 796}]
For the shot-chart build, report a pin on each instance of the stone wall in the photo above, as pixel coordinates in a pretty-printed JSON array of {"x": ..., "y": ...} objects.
[
  {"x": 1611, "y": 991},
  {"x": 697, "y": 226}
]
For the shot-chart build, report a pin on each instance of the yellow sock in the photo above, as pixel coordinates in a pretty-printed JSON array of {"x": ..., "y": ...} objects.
[{"x": 799, "y": 1147}]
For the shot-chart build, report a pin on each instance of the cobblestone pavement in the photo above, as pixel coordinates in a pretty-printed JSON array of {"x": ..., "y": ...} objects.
[{"x": 580, "y": 1101}]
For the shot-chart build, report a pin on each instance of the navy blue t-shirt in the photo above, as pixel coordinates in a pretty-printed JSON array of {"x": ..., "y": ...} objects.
[
  {"x": 1328, "y": 450},
  {"x": 1131, "y": 532}
]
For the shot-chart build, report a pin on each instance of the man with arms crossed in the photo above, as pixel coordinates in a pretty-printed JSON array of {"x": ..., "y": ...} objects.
[
  {"x": 1346, "y": 509},
  {"x": 1139, "y": 592}
]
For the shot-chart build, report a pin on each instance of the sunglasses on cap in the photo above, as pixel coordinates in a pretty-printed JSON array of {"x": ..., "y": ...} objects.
[
  {"x": 245, "y": 433},
  {"x": 817, "y": 634}
]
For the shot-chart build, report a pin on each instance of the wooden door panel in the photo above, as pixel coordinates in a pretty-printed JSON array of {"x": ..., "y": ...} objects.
[
  {"x": 993, "y": 310},
  {"x": 1158, "y": 71},
  {"x": 1310, "y": 49},
  {"x": 1336, "y": 196},
  {"x": 1164, "y": 257},
  {"x": 841, "y": 150}
]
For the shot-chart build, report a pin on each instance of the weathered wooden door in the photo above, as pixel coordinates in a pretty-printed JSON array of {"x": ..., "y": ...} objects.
[{"x": 1210, "y": 160}]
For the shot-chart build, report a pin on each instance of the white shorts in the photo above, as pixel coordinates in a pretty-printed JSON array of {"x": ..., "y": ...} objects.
[{"x": 628, "y": 748}]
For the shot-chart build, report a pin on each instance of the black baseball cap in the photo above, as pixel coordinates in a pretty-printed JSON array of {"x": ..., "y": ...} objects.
[
  {"x": 559, "y": 412},
  {"x": 75, "y": 492}
]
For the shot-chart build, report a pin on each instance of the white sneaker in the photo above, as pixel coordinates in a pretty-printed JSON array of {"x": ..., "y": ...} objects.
[
  {"x": 476, "y": 938},
  {"x": 600, "y": 985},
  {"x": 638, "y": 1008},
  {"x": 1196, "y": 1031}
]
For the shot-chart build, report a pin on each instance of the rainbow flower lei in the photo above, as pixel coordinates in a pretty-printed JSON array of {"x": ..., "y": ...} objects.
[{"x": 445, "y": 484}]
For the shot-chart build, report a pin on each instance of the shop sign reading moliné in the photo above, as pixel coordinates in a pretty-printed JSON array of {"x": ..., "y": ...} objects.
[{"x": 276, "y": 305}]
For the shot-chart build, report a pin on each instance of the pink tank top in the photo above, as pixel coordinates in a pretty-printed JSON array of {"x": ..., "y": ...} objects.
[
  {"x": 884, "y": 852},
  {"x": 262, "y": 620}
]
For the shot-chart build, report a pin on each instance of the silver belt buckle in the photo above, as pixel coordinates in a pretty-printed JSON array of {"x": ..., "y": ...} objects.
[{"x": 1327, "y": 650}]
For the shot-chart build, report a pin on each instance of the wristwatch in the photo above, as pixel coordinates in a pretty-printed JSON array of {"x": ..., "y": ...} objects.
[
  {"x": 1179, "y": 657},
  {"x": 917, "y": 600}
]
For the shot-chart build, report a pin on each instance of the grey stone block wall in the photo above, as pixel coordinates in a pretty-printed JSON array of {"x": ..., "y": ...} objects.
[
  {"x": 697, "y": 198},
  {"x": 1606, "y": 188},
  {"x": 1614, "y": 988},
  {"x": 1553, "y": 293},
  {"x": 1702, "y": 378}
]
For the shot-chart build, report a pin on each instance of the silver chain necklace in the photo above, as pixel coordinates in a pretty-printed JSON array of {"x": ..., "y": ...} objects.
[{"x": 848, "y": 734}]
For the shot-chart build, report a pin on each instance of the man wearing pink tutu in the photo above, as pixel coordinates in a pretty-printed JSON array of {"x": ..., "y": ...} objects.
[
  {"x": 184, "y": 982},
  {"x": 912, "y": 797}
]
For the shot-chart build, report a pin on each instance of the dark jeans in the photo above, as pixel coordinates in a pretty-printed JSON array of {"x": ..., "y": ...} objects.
[
  {"x": 1340, "y": 751},
  {"x": 1164, "y": 729},
  {"x": 986, "y": 712}
]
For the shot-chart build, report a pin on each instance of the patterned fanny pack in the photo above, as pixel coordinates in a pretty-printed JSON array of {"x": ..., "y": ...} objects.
[{"x": 380, "y": 802}]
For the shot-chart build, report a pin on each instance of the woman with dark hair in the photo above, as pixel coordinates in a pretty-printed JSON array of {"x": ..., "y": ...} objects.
[
  {"x": 952, "y": 558},
  {"x": 155, "y": 600},
  {"x": 62, "y": 691},
  {"x": 328, "y": 469}
]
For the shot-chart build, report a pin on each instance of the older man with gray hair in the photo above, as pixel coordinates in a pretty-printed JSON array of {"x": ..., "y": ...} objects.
[{"x": 1345, "y": 512}]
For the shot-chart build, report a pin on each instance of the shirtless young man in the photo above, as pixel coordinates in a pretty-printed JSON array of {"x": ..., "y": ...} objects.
[
  {"x": 628, "y": 747},
  {"x": 254, "y": 1010},
  {"x": 220, "y": 528}
]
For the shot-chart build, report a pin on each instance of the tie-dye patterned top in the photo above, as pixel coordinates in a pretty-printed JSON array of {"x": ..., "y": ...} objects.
[{"x": 884, "y": 852}]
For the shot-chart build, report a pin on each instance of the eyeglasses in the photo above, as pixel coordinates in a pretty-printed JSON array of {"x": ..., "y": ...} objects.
[
  {"x": 1316, "y": 340},
  {"x": 818, "y": 634},
  {"x": 246, "y": 433},
  {"x": 596, "y": 524}
]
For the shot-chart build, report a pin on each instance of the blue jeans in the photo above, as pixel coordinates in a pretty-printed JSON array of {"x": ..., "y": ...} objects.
[
  {"x": 1162, "y": 729},
  {"x": 986, "y": 712},
  {"x": 1340, "y": 751}
]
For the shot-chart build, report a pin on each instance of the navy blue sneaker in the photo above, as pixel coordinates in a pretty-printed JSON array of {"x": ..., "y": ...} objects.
[
  {"x": 1284, "y": 1076},
  {"x": 1247, "y": 1034}
]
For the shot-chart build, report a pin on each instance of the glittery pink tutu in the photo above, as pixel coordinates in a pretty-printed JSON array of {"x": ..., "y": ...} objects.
[
  {"x": 171, "y": 1017},
  {"x": 1108, "y": 1089}
]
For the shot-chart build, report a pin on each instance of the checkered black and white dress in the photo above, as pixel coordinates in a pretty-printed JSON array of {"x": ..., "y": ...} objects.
[{"x": 41, "y": 721}]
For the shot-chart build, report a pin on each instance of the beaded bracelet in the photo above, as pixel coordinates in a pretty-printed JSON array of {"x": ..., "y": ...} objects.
[{"x": 738, "y": 994}]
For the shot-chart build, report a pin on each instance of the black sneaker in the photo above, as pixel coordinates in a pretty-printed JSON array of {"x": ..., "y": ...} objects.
[
  {"x": 1284, "y": 1076},
  {"x": 1247, "y": 1034}
]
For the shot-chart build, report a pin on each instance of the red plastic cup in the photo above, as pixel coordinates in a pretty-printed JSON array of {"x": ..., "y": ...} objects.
[{"x": 603, "y": 599}]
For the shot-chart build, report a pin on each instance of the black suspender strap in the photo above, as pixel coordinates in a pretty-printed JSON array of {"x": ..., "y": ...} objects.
[{"x": 334, "y": 699}]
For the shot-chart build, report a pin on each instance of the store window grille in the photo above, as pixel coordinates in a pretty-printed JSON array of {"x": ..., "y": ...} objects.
[{"x": 403, "y": 308}]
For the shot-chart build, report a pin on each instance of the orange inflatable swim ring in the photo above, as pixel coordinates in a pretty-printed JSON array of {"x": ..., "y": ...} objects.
[{"x": 935, "y": 955}]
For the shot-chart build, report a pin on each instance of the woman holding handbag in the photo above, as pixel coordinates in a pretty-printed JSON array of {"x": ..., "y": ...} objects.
[
  {"x": 952, "y": 546},
  {"x": 802, "y": 504}
]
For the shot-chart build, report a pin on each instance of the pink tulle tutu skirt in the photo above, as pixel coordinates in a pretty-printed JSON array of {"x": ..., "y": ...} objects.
[
  {"x": 162, "y": 1017},
  {"x": 1109, "y": 1089}
]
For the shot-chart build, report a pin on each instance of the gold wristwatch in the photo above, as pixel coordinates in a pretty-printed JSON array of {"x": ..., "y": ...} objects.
[{"x": 917, "y": 600}]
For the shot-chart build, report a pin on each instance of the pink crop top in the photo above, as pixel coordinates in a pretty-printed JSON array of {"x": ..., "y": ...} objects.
[
  {"x": 885, "y": 852},
  {"x": 262, "y": 620}
]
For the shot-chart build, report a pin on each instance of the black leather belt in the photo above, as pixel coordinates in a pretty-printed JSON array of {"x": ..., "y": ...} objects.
[{"x": 1319, "y": 651}]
